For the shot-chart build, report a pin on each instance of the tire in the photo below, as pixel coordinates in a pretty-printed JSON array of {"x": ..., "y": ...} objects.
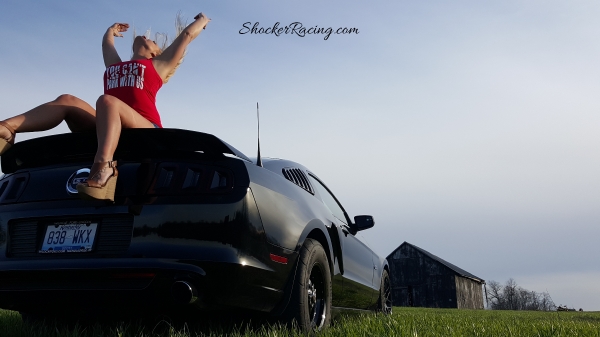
[
  {"x": 310, "y": 304},
  {"x": 384, "y": 304}
]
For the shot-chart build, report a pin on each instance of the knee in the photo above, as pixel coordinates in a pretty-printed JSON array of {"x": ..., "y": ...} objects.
[
  {"x": 104, "y": 102},
  {"x": 66, "y": 99}
]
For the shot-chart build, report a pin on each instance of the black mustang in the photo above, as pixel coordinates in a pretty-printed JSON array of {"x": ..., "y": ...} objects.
[{"x": 194, "y": 223}]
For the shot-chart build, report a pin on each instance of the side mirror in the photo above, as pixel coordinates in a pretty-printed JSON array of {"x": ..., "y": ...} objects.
[{"x": 362, "y": 222}]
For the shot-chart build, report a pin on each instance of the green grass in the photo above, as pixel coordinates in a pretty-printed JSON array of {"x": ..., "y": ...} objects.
[{"x": 403, "y": 322}]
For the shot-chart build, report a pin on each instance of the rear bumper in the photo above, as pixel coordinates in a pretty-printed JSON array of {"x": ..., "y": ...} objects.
[
  {"x": 125, "y": 284},
  {"x": 219, "y": 248}
]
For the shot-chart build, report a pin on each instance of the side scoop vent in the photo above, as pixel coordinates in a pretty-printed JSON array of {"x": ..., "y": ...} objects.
[{"x": 297, "y": 177}]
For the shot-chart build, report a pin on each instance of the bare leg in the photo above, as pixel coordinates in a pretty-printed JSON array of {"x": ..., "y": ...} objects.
[
  {"x": 111, "y": 116},
  {"x": 79, "y": 116}
]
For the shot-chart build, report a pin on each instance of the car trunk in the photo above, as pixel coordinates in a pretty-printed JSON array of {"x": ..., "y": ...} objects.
[{"x": 151, "y": 163}]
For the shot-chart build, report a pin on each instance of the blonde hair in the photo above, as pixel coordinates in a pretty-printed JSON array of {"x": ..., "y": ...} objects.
[
  {"x": 162, "y": 41},
  {"x": 179, "y": 27}
]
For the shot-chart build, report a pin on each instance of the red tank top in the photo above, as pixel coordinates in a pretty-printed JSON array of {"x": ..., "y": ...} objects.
[{"x": 135, "y": 83}]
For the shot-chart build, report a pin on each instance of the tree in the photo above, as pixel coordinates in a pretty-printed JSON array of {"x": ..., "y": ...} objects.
[{"x": 511, "y": 296}]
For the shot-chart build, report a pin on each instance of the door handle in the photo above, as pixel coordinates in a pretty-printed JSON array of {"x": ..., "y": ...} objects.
[{"x": 375, "y": 267}]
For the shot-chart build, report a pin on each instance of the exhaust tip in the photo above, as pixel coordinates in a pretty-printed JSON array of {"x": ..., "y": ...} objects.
[{"x": 184, "y": 293}]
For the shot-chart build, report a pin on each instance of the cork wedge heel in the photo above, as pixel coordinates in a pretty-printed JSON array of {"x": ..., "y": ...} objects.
[
  {"x": 5, "y": 144},
  {"x": 93, "y": 190}
]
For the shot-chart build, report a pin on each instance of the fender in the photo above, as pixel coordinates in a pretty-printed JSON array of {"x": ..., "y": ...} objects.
[
  {"x": 313, "y": 225},
  {"x": 317, "y": 224},
  {"x": 383, "y": 265},
  {"x": 336, "y": 246}
]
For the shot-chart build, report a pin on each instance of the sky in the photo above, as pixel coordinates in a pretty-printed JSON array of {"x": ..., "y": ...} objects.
[{"x": 467, "y": 128}]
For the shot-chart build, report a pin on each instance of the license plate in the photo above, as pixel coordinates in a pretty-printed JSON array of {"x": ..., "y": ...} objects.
[{"x": 69, "y": 237}]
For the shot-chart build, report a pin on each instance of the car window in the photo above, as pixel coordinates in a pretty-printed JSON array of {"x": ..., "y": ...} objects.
[{"x": 328, "y": 199}]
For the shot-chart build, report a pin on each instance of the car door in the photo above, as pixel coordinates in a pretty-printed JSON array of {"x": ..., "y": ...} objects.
[
  {"x": 358, "y": 280},
  {"x": 356, "y": 256}
]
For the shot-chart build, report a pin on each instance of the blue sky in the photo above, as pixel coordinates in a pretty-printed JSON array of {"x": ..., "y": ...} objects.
[{"x": 467, "y": 128}]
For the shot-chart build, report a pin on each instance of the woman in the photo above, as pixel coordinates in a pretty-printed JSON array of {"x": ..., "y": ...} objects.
[{"x": 130, "y": 89}]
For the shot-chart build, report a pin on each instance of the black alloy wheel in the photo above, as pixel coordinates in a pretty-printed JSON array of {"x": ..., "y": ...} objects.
[
  {"x": 316, "y": 299},
  {"x": 385, "y": 294},
  {"x": 310, "y": 305}
]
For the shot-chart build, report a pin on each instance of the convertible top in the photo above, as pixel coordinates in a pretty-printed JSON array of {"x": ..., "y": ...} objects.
[{"x": 133, "y": 144}]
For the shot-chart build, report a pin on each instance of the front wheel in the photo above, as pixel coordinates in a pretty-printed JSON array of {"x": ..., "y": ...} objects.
[
  {"x": 384, "y": 305},
  {"x": 310, "y": 305}
]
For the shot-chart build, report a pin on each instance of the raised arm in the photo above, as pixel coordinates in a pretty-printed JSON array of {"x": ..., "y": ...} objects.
[
  {"x": 168, "y": 60},
  {"x": 108, "y": 43}
]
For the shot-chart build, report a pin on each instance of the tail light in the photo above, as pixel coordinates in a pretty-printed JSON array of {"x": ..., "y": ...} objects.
[
  {"x": 182, "y": 178},
  {"x": 219, "y": 181},
  {"x": 12, "y": 187}
]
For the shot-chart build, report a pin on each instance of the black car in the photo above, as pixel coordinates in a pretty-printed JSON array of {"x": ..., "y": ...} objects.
[{"x": 195, "y": 224}]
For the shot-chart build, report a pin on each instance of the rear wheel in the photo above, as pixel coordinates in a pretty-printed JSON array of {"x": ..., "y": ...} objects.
[
  {"x": 310, "y": 305},
  {"x": 384, "y": 305}
]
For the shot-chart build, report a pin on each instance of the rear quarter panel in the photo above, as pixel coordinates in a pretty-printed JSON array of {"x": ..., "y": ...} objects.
[{"x": 285, "y": 209}]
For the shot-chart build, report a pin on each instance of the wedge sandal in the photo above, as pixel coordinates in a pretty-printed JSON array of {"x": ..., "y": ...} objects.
[{"x": 93, "y": 190}]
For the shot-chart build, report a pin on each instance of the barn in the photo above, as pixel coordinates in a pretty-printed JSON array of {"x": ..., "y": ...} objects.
[{"x": 421, "y": 279}]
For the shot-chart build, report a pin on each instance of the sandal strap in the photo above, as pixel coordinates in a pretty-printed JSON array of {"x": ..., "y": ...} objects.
[
  {"x": 110, "y": 164},
  {"x": 101, "y": 166},
  {"x": 10, "y": 129}
]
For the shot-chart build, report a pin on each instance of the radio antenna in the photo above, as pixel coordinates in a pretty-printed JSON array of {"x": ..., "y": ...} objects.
[{"x": 258, "y": 160}]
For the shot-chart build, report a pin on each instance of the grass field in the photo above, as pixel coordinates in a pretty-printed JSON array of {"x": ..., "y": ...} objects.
[{"x": 403, "y": 322}]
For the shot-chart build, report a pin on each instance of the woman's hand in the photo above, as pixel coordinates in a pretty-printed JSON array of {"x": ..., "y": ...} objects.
[
  {"x": 109, "y": 53},
  {"x": 202, "y": 19},
  {"x": 170, "y": 58},
  {"x": 118, "y": 28}
]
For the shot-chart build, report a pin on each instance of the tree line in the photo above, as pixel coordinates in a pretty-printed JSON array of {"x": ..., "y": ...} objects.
[{"x": 511, "y": 296}]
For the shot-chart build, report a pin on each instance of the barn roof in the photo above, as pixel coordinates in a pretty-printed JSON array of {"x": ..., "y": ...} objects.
[{"x": 454, "y": 268}]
